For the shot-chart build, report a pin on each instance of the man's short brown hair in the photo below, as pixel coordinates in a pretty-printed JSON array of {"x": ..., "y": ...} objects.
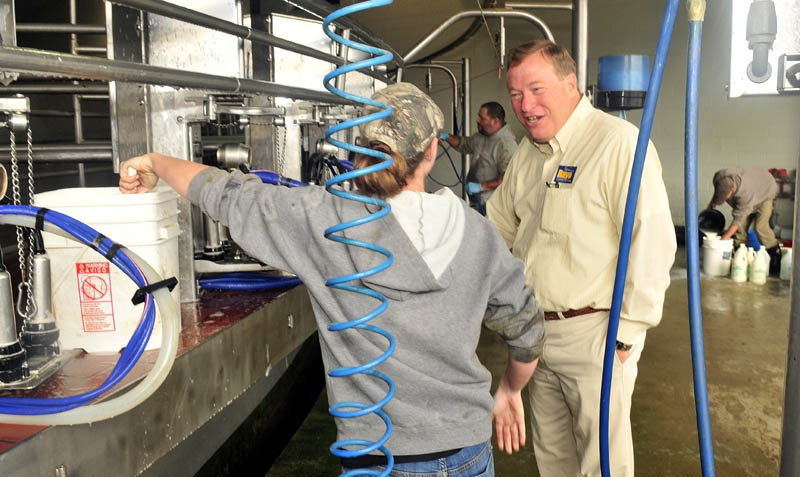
[
  {"x": 722, "y": 188},
  {"x": 557, "y": 55}
]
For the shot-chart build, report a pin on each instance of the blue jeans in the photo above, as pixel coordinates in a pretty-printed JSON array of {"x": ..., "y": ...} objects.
[{"x": 473, "y": 461}]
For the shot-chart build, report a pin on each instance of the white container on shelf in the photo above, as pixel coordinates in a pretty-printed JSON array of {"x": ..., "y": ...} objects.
[{"x": 91, "y": 296}]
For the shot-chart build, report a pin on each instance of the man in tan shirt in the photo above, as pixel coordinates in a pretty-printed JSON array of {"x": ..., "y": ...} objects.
[
  {"x": 560, "y": 209},
  {"x": 491, "y": 148},
  {"x": 750, "y": 191}
]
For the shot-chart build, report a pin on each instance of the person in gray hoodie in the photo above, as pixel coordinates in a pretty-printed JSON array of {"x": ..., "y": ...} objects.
[{"x": 443, "y": 286}]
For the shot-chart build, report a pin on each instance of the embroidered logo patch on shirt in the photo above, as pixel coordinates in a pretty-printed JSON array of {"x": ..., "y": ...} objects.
[{"x": 565, "y": 174}]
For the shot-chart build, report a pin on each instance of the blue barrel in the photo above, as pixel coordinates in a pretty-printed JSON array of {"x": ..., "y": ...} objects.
[{"x": 623, "y": 73}]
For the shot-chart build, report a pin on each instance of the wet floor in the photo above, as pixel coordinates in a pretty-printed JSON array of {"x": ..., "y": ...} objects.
[{"x": 745, "y": 332}]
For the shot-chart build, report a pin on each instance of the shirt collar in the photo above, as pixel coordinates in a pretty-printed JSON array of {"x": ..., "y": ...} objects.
[{"x": 561, "y": 140}]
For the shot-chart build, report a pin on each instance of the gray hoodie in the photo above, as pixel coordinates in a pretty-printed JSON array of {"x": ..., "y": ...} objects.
[{"x": 442, "y": 399}]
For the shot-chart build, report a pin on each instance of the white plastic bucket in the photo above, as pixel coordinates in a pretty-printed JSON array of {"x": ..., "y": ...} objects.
[
  {"x": 92, "y": 297},
  {"x": 717, "y": 256}
]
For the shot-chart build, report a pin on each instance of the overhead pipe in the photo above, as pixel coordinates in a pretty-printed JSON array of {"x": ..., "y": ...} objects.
[
  {"x": 452, "y": 78},
  {"x": 87, "y": 67},
  {"x": 488, "y": 13},
  {"x": 580, "y": 37},
  {"x": 194, "y": 17},
  {"x": 320, "y": 10},
  {"x": 471, "y": 30}
]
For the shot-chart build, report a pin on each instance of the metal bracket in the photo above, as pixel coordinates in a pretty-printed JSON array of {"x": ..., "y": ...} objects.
[
  {"x": 789, "y": 74},
  {"x": 16, "y": 109}
]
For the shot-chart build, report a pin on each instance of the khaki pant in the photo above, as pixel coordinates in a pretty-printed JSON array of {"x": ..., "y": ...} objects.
[
  {"x": 565, "y": 400},
  {"x": 763, "y": 231}
]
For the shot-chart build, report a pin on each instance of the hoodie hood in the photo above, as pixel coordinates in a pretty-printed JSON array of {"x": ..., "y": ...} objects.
[{"x": 425, "y": 229}]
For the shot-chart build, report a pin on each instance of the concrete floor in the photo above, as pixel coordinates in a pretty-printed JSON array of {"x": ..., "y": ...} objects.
[{"x": 745, "y": 335}]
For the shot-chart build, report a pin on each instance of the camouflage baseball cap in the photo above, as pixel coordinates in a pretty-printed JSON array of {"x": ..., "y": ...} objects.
[{"x": 415, "y": 121}]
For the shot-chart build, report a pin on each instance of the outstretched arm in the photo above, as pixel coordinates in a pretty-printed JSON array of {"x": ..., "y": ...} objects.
[
  {"x": 140, "y": 174},
  {"x": 509, "y": 415}
]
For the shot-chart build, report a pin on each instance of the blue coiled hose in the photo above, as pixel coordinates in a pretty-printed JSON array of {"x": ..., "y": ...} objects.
[
  {"x": 133, "y": 350},
  {"x": 358, "y": 447},
  {"x": 627, "y": 225}
]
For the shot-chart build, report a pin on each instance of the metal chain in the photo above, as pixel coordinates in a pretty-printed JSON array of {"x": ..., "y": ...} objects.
[
  {"x": 15, "y": 197},
  {"x": 30, "y": 306},
  {"x": 280, "y": 150}
]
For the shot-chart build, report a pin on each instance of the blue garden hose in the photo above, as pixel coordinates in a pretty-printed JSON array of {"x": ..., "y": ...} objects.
[
  {"x": 627, "y": 225},
  {"x": 247, "y": 281},
  {"x": 348, "y": 448},
  {"x": 272, "y": 177},
  {"x": 692, "y": 245},
  {"x": 135, "y": 347}
]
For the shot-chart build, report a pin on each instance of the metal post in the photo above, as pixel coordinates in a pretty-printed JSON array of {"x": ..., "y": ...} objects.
[
  {"x": 340, "y": 81},
  {"x": 790, "y": 434},
  {"x": 76, "y": 100},
  {"x": 580, "y": 40},
  {"x": 466, "y": 98}
]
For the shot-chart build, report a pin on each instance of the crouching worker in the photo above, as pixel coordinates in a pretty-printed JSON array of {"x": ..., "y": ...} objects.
[{"x": 442, "y": 287}]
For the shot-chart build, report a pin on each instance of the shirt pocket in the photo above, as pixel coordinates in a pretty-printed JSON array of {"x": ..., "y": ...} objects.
[{"x": 555, "y": 210}]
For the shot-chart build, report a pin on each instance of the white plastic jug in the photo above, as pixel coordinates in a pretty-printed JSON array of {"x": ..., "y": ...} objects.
[
  {"x": 759, "y": 267},
  {"x": 786, "y": 264},
  {"x": 739, "y": 264}
]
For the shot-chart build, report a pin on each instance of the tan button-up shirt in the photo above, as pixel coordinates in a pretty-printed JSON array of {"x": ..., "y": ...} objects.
[
  {"x": 560, "y": 209},
  {"x": 753, "y": 185}
]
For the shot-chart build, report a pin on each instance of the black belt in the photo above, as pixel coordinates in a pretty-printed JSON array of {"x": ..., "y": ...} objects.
[
  {"x": 371, "y": 460},
  {"x": 554, "y": 315}
]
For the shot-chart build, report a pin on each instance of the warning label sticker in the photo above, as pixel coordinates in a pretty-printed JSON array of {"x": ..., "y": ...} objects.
[{"x": 94, "y": 292}]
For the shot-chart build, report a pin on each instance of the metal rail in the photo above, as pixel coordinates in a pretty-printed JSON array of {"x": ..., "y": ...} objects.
[
  {"x": 201, "y": 19},
  {"x": 65, "y": 153},
  {"x": 60, "y": 28},
  {"x": 488, "y": 13},
  {"x": 541, "y": 5},
  {"x": 64, "y": 88},
  {"x": 86, "y": 67}
]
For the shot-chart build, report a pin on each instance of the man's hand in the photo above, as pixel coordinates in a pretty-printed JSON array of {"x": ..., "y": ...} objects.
[
  {"x": 136, "y": 175},
  {"x": 509, "y": 419},
  {"x": 474, "y": 188}
]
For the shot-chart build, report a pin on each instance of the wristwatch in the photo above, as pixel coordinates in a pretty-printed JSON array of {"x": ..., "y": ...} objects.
[{"x": 623, "y": 347}]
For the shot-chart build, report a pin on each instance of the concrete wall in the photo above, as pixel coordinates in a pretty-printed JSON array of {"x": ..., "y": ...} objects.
[{"x": 732, "y": 132}]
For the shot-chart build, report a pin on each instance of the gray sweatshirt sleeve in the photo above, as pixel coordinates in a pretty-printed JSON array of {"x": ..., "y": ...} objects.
[
  {"x": 269, "y": 223},
  {"x": 512, "y": 311}
]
